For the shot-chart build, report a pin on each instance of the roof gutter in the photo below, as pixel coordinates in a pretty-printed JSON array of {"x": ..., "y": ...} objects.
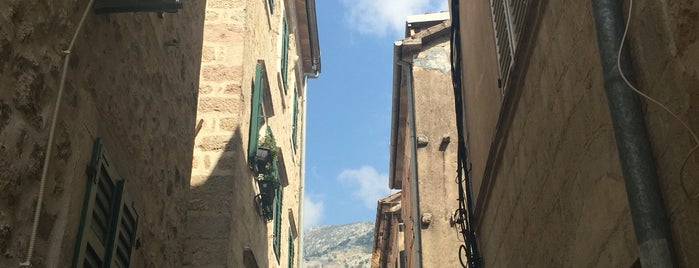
[{"x": 313, "y": 39}]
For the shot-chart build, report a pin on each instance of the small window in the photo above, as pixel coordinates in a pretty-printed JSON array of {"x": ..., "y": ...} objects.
[{"x": 109, "y": 221}]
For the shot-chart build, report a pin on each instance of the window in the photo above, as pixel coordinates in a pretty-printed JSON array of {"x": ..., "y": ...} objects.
[
  {"x": 291, "y": 249},
  {"x": 271, "y": 6},
  {"x": 508, "y": 22},
  {"x": 261, "y": 108},
  {"x": 276, "y": 243},
  {"x": 285, "y": 54},
  {"x": 108, "y": 223},
  {"x": 294, "y": 121}
]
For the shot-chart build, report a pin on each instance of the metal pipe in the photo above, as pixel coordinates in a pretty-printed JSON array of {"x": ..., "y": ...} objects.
[
  {"x": 650, "y": 222},
  {"x": 303, "y": 173},
  {"x": 414, "y": 192}
]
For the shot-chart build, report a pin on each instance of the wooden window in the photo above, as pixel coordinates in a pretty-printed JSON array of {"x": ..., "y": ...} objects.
[
  {"x": 109, "y": 221},
  {"x": 508, "y": 21}
]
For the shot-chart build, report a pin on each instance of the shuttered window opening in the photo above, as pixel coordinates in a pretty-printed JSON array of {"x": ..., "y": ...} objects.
[
  {"x": 509, "y": 18},
  {"x": 256, "y": 113},
  {"x": 294, "y": 121},
  {"x": 291, "y": 249},
  {"x": 277, "y": 232},
  {"x": 285, "y": 54},
  {"x": 108, "y": 222}
]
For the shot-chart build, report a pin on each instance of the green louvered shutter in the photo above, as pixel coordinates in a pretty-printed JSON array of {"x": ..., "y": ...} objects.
[
  {"x": 294, "y": 120},
  {"x": 285, "y": 54},
  {"x": 276, "y": 243},
  {"x": 255, "y": 114},
  {"x": 98, "y": 233},
  {"x": 124, "y": 234},
  {"x": 291, "y": 250}
]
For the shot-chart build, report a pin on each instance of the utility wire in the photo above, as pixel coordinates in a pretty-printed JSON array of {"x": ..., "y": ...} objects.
[{"x": 464, "y": 217}]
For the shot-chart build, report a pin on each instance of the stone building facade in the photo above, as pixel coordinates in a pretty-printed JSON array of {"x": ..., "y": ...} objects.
[
  {"x": 548, "y": 185},
  {"x": 126, "y": 117},
  {"x": 422, "y": 156},
  {"x": 256, "y": 58}
]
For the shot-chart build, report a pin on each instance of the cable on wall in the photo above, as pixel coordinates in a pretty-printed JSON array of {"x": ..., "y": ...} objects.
[
  {"x": 463, "y": 216},
  {"x": 49, "y": 146},
  {"x": 686, "y": 126}
]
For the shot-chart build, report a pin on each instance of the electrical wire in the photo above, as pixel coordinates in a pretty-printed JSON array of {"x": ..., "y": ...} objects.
[
  {"x": 694, "y": 134},
  {"x": 464, "y": 217},
  {"x": 52, "y": 131}
]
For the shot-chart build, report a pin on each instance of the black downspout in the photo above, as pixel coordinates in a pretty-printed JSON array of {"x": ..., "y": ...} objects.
[{"x": 650, "y": 221}]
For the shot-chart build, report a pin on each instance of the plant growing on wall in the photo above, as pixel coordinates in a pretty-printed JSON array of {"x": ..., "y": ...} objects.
[{"x": 267, "y": 176}]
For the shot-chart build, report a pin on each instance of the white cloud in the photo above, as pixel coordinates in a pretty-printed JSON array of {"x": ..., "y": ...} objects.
[
  {"x": 378, "y": 17},
  {"x": 371, "y": 185},
  {"x": 312, "y": 212}
]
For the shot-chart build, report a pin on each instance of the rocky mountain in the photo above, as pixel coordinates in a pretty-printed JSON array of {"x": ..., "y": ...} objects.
[{"x": 341, "y": 246}]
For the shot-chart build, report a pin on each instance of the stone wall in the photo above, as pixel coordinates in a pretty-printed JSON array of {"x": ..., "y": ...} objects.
[
  {"x": 223, "y": 219},
  {"x": 559, "y": 184},
  {"x": 125, "y": 85}
]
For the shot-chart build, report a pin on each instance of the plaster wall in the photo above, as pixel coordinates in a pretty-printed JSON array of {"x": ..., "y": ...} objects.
[{"x": 559, "y": 182}]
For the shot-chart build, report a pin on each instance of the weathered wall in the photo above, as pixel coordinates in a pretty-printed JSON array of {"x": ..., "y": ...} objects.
[
  {"x": 223, "y": 220},
  {"x": 123, "y": 85},
  {"x": 435, "y": 119},
  {"x": 559, "y": 182}
]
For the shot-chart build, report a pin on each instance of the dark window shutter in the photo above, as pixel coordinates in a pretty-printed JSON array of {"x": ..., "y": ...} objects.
[
  {"x": 123, "y": 237},
  {"x": 276, "y": 243},
  {"x": 291, "y": 250},
  {"x": 255, "y": 114},
  {"x": 285, "y": 54},
  {"x": 294, "y": 120}
]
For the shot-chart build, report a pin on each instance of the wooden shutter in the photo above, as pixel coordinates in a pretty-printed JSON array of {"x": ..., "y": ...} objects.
[
  {"x": 255, "y": 114},
  {"x": 98, "y": 213},
  {"x": 294, "y": 120},
  {"x": 509, "y": 20},
  {"x": 285, "y": 54},
  {"x": 276, "y": 243},
  {"x": 124, "y": 236},
  {"x": 502, "y": 38},
  {"x": 291, "y": 250}
]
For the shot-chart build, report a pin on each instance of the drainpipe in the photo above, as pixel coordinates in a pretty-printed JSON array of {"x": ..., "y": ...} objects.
[
  {"x": 303, "y": 173},
  {"x": 650, "y": 222},
  {"x": 415, "y": 200}
]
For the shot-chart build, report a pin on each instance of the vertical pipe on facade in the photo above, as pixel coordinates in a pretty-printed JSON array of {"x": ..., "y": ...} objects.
[
  {"x": 303, "y": 172},
  {"x": 638, "y": 166},
  {"x": 414, "y": 192},
  {"x": 49, "y": 143}
]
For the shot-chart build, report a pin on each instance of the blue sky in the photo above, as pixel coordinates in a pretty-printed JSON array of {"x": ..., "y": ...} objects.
[{"x": 349, "y": 107}]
